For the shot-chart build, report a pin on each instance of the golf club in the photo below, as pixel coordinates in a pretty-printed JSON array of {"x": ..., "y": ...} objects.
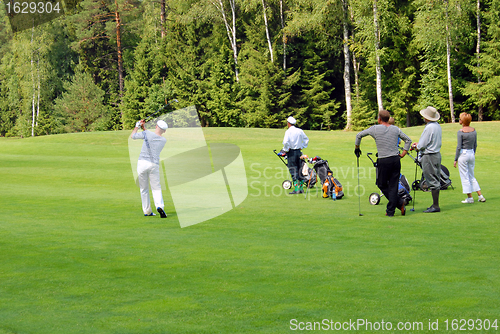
[
  {"x": 157, "y": 111},
  {"x": 415, "y": 160},
  {"x": 359, "y": 196},
  {"x": 414, "y": 188}
]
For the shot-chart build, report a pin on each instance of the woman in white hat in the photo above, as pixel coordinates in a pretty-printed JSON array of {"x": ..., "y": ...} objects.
[
  {"x": 429, "y": 146},
  {"x": 148, "y": 165},
  {"x": 465, "y": 155}
]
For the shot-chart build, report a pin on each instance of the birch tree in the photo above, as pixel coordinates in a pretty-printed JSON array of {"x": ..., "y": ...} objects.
[
  {"x": 119, "y": 49},
  {"x": 230, "y": 24},
  {"x": 478, "y": 59},
  {"x": 378, "y": 70},
  {"x": 448, "y": 64},
  {"x": 269, "y": 42},
  {"x": 282, "y": 20},
  {"x": 34, "y": 85},
  {"x": 347, "y": 72}
]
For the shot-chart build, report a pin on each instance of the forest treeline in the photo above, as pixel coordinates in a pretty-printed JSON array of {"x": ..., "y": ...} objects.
[{"x": 250, "y": 63}]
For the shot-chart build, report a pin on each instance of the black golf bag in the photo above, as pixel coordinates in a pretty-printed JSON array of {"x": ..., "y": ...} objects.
[{"x": 329, "y": 184}]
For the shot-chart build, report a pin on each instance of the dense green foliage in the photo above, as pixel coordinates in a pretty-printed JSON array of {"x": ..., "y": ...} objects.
[{"x": 251, "y": 69}]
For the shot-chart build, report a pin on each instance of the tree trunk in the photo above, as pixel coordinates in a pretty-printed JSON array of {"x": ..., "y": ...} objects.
[
  {"x": 162, "y": 17},
  {"x": 478, "y": 49},
  {"x": 284, "y": 37},
  {"x": 38, "y": 98},
  {"x": 347, "y": 72},
  {"x": 355, "y": 66},
  {"x": 448, "y": 65},
  {"x": 34, "y": 86},
  {"x": 231, "y": 30},
  {"x": 264, "y": 8},
  {"x": 119, "y": 49},
  {"x": 377, "y": 56}
]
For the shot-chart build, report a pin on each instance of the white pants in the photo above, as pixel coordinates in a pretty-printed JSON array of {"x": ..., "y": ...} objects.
[
  {"x": 466, "y": 162},
  {"x": 148, "y": 171}
]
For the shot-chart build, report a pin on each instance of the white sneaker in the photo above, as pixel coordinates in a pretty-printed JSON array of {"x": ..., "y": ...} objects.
[
  {"x": 468, "y": 200},
  {"x": 481, "y": 199}
]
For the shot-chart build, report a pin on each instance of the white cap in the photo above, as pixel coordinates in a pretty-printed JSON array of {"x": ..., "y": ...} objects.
[
  {"x": 291, "y": 120},
  {"x": 162, "y": 125}
]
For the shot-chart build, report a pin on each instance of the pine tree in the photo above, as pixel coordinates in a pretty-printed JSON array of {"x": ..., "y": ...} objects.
[{"x": 81, "y": 108}]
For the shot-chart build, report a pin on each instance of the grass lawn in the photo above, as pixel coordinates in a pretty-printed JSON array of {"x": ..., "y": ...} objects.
[{"x": 78, "y": 256}]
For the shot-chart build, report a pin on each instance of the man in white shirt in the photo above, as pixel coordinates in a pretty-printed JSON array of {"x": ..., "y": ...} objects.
[
  {"x": 295, "y": 140},
  {"x": 148, "y": 165}
]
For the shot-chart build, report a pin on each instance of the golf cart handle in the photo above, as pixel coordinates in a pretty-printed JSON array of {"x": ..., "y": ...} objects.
[{"x": 368, "y": 155}]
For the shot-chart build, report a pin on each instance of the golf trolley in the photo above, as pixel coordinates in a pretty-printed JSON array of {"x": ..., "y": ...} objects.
[
  {"x": 444, "y": 178},
  {"x": 403, "y": 187},
  {"x": 309, "y": 174}
]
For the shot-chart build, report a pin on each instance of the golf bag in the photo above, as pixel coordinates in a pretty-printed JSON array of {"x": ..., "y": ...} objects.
[
  {"x": 306, "y": 172},
  {"x": 444, "y": 178},
  {"x": 403, "y": 187},
  {"x": 329, "y": 184}
]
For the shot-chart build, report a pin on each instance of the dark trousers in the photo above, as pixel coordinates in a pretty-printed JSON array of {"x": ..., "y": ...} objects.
[
  {"x": 293, "y": 157},
  {"x": 389, "y": 171}
]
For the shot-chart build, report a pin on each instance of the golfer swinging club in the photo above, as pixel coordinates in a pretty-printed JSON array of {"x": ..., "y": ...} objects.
[
  {"x": 148, "y": 165},
  {"x": 295, "y": 140}
]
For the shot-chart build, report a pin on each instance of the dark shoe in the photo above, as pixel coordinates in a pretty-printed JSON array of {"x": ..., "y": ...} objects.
[
  {"x": 388, "y": 215},
  {"x": 403, "y": 210},
  {"x": 161, "y": 212},
  {"x": 295, "y": 192},
  {"x": 432, "y": 209}
]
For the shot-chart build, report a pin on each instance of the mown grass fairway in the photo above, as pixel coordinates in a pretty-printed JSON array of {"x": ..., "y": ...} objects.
[{"x": 77, "y": 255}]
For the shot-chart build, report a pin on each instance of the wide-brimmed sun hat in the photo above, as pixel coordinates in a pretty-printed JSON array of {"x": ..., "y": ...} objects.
[
  {"x": 430, "y": 113},
  {"x": 291, "y": 120},
  {"x": 162, "y": 125}
]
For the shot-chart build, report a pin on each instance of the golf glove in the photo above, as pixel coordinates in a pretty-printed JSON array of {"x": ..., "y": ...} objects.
[
  {"x": 138, "y": 124},
  {"x": 357, "y": 152}
]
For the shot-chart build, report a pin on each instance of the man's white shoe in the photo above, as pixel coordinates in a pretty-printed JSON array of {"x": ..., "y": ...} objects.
[
  {"x": 481, "y": 199},
  {"x": 468, "y": 200}
]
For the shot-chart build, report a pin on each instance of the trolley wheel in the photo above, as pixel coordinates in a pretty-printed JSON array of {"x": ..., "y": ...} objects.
[
  {"x": 287, "y": 184},
  {"x": 374, "y": 198},
  {"x": 415, "y": 185}
]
